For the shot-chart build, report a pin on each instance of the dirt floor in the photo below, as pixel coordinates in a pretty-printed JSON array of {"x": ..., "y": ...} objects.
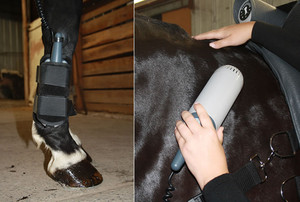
[{"x": 108, "y": 139}]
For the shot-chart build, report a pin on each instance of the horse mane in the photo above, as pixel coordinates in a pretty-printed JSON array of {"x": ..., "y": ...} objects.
[{"x": 148, "y": 27}]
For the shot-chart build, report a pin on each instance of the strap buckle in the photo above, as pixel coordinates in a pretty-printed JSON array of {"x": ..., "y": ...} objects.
[
  {"x": 294, "y": 150},
  {"x": 262, "y": 165}
]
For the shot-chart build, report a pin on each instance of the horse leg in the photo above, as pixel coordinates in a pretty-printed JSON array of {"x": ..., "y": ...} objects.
[{"x": 69, "y": 163}]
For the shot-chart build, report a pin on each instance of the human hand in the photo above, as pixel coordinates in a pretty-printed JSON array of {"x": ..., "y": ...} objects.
[
  {"x": 233, "y": 35},
  {"x": 201, "y": 146}
]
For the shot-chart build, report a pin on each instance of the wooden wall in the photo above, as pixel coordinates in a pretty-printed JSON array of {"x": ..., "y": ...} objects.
[
  {"x": 181, "y": 17},
  {"x": 213, "y": 14},
  {"x": 205, "y": 15},
  {"x": 104, "y": 59},
  {"x": 11, "y": 50},
  {"x": 36, "y": 51}
]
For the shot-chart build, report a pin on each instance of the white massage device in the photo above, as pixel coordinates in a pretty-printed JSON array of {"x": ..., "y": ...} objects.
[{"x": 217, "y": 97}]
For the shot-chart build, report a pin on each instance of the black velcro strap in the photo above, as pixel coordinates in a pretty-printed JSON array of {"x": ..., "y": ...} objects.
[
  {"x": 293, "y": 140},
  {"x": 51, "y": 106},
  {"x": 55, "y": 74},
  {"x": 247, "y": 177},
  {"x": 45, "y": 90}
]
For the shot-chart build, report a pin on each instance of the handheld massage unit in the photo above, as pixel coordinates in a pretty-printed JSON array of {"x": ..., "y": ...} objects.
[
  {"x": 217, "y": 97},
  {"x": 56, "y": 54}
]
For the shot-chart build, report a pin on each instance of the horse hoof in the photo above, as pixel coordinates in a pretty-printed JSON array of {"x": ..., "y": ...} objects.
[
  {"x": 88, "y": 157},
  {"x": 82, "y": 174}
]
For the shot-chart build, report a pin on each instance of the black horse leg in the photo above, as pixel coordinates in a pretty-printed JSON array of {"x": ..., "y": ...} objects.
[{"x": 69, "y": 163}]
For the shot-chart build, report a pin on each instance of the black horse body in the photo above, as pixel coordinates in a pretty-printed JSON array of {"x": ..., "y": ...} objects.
[{"x": 171, "y": 70}]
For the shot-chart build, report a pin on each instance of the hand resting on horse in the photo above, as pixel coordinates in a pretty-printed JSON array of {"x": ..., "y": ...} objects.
[
  {"x": 201, "y": 146},
  {"x": 232, "y": 35}
]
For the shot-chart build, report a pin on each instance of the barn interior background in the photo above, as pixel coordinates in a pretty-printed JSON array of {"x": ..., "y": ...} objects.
[
  {"x": 102, "y": 81},
  {"x": 195, "y": 16},
  {"x": 103, "y": 66},
  {"x": 11, "y": 50},
  {"x": 104, "y": 57},
  {"x": 103, "y": 63}
]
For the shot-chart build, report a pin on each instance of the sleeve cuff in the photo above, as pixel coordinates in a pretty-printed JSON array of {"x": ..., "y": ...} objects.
[{"x": 223, "y": 188}]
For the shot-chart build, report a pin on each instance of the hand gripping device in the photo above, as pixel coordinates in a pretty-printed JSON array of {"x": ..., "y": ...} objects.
[
  {"x": 51, "y": 105},
  {"x": 217, "y": 97}
]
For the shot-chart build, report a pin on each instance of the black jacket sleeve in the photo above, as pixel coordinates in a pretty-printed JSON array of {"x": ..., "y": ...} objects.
[
  {"x": 285, "y": 41},
  {"x": 223, "y": 188}
]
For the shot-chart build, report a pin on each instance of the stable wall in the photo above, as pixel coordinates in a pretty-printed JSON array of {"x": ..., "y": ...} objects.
[
  {"x": 11, "y": 49},
  {"x": 213, "y": 14},
  {"x": 181, "y": 17},
  {"x": 36, "y": 51},
  {"x": 103, "y": 71},
  {"x": 103, "y": 60},
  {"x": 195, "y": 16}
]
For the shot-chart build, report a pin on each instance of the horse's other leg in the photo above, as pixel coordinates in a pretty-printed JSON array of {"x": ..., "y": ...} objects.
[{"x": 69, "y": 163}]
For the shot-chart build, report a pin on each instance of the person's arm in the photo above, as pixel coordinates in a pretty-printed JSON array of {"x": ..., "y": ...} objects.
[
  {"x": 223, "y": 188},
  {"x": 284, "y": 43}
]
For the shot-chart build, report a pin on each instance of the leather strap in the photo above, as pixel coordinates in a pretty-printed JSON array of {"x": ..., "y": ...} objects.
[
  {"x": 293, "y": 140},
  {"x": 297, "y": 179}
]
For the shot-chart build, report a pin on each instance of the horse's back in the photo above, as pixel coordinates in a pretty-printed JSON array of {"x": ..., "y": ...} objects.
[{"x": 170, "y": 71}]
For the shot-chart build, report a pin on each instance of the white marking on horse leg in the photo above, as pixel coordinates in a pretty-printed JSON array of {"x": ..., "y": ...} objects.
[
  {"x": 37, "y": 139},
  {"x": 61, "y": 160}
]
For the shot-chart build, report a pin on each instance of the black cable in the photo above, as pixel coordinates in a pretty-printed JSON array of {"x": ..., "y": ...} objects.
[
  {"x": 45, "y": 24},
  {"x": 169, "y": 189},
  {"x": 39, "y": 6}
]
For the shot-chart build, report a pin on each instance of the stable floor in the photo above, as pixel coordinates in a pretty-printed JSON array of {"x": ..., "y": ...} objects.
[{"x": 107, "y": 138}]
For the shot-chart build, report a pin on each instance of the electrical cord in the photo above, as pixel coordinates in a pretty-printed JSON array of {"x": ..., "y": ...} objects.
[
  {"x": 169, "y": 189},
  {"x": 41, "y": 13},
  {"x": 39, "y": 5}
]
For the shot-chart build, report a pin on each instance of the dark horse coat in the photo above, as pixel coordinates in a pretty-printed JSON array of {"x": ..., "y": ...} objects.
[{"x": 171, "y": 70}]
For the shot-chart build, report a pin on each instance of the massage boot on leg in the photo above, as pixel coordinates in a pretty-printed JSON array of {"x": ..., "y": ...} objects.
[{"x": 69, "y": 164}]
